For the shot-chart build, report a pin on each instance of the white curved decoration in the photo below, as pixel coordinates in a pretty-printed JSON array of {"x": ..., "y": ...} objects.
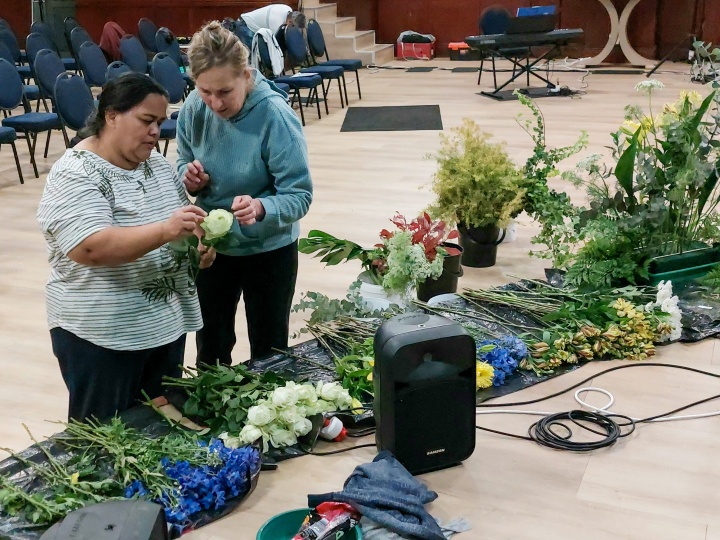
[{"x": 618, "y": 35}]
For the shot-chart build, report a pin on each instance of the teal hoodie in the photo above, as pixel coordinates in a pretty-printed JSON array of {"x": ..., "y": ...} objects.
[{"x": 261, "y": 152}]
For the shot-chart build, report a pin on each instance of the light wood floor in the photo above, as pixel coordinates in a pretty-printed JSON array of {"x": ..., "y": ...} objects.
[{"x": 656, "y": 484}]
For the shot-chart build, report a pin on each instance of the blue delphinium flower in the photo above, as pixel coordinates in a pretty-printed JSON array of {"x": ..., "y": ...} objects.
[
  {"x": 503, "y": 354},
  {"x": 207, "y": 486}
]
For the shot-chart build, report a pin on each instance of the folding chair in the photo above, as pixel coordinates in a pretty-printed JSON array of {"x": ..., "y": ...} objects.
[
  {"x": 74, "y": 102},
  {"x": 318, "y": 49}
]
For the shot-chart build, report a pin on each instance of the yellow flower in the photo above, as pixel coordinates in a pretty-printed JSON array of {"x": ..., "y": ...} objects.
[
  {"x": 357, "y": 406},
  {"x": 74, "y": 478},
  {"x": 484, "y": 374},
  {"x": 370, "y": 363}
]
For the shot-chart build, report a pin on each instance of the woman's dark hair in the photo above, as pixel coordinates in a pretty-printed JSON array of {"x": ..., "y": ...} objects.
[{"x": 120, "y": 95}]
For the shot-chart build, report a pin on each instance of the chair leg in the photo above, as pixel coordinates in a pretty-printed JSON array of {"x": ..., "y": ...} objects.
[
  {"x": 31, "y": 149},
  {"x": 17, "y": 162},
  {"x": 527, "y": 69},
  {"x": 494, "y": 73},
  {"x": 347, "y": 101},
  {"x": 357, "y": 80},
  {"x": 327, "y": 111},
  {"x": 65, "y": 136},
  {"x": 340, "y": 89},
  {"x": 167, "y": 143},
  {"x": 47, "y": 144},
  {"x": 317, "y": 101},
  {"x": 299, "y": 100}
]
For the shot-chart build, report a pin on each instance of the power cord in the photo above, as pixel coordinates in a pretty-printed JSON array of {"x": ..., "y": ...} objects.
[
  {"x": 545, "y": 431},
  {"x": 332, "y": 452}
]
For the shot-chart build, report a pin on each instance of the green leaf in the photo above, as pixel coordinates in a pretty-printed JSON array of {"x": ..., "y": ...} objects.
[{"x": 625, "y": 169}]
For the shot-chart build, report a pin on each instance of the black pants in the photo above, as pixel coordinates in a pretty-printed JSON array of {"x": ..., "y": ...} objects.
[
  {"x": 267, "y": 281},
  {"x": 103, "y": 382}
]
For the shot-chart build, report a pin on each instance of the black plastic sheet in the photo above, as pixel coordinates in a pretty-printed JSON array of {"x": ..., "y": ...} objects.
[{"x": 142, "y": 418}]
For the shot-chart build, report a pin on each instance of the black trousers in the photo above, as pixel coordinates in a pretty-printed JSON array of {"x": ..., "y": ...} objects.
[
  {"x": 267, "y": 282},
  {"x": 103, "y": 382}
]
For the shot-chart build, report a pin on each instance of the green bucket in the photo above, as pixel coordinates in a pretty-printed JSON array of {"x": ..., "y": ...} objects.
[{"x": 286, "y": 525}]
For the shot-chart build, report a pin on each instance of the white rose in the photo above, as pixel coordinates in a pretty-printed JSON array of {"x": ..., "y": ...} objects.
[
  {"x": 306, "y": 392},
  {"x": 290, "y": 416},
  {"x": 670, "y": 305},
  {"x": 322, "y": 406},
  {"x": 329, "y": 391},
  {"x": 217, "y": 223},
  {"x": 250, "y": 434},
  {"x": 282, "y": 437},
  {"x": 344, "y": 401},
  {"x": 261, "y": 414},
  {"x": 285, "y": 396},
  {"x": 302, "y": 427},
  {"x": 230, "y": 441}
]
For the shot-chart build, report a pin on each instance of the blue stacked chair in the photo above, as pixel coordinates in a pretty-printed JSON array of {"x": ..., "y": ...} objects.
[
  {"x": 146, "y": 33},
  {"x": 133, "y": 53},
  {"x": 32, "y": 92},
  {"x": 8, "y": 38},
  {"x": 318, "y": 49},
  {"x": 28, "y": 123},
  {"x": 115, "y": 69},
  {"x": 93, "y": 63},
  {"x": 165, "y": 71},
  {"x": 74, "y": 102},
  {"x": 45, "y": 29},
  {"x": 8, "y": 136}
]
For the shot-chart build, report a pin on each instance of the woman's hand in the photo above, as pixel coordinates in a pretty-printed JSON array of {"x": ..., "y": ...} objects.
[
  {"x": 207, "y": 255},
  {"x": 183, "y": 222},
  {"x": 247, "y": 210},
  {"x": 195, "y": 177}
]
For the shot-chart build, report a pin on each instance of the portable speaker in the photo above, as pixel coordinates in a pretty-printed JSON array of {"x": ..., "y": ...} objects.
[
  {"x": 112, "y": 520},
  {"x": 424, "y": 381}
]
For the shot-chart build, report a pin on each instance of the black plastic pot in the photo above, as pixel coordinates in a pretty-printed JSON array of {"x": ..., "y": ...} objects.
[
  {"x": 447, "y": 282},
  {"x": 480, "y": 245}
]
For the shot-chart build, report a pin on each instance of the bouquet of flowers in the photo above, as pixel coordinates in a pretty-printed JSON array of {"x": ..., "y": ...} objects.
[
  {"x": 406, "y": 256},
  {"x": 282, "y": 416}
]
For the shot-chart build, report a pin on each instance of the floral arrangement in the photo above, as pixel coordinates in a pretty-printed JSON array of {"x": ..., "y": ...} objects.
[
  {"x": 476, "y": 183},
  {"x": 406, "y": 256},
  {"x": 660, "y": 196},
  {"x": 225, "y": 475},
  {"x": 281, "y": 417}
]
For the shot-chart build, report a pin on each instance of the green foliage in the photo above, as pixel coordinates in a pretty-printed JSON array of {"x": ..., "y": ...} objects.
[
  {"x": 325, "y": 309},
  {"x": 335, "y": 250},
  {"x": 221, "y": 395},
  {"x": 551, "y": 209},
  {"x": 355, "y": 370},
  {"x": 711, "y": 279},
  {"x": 476, "y": 182}
]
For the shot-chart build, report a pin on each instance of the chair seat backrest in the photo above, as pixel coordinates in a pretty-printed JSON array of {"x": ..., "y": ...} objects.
[
  {"x": 146, "y": 33},
  {"x": 34, "y": 43},
  {"x": 5, "y": 53},
  {"x": 47, "y": 68},
  {"x": 11, "y": 90},
  {"x": 167, "y": 73},
  {"x": 296, "y": 46},
  {"x": 133, "y": 53},
  {"x": 78, "y": 36},
  {"x": 494, "y": 20},
  {"x": 73, "y": 100},
  {"x": 166, "y": 42},
  {"x": 316, "y": 40},
  {"x": 46, "y": 30},
  {"x": 93, "y": 63},
  {"x": 8, "y": 38},
  {"x": 115, "y": 69}
]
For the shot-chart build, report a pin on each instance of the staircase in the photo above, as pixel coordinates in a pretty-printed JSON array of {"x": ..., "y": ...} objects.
[{"x": 343, "y": 40}]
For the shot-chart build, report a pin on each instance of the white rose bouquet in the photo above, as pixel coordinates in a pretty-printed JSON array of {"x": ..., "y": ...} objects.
[{"x": 282, "y": 416}]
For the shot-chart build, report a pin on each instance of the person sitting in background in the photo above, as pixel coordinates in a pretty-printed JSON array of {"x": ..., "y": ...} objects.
[
  {"x": 110, "y": 207},
  {"x": 272, "y": 17}
]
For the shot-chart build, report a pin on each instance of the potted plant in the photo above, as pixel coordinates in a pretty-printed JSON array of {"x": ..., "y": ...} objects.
[
  {"x": 478, "y": 188},
  {"x": 416, "y": 252},
  {"x": 652, "y": 215}
]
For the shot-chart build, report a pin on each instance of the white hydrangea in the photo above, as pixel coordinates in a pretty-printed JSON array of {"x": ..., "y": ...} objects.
[
  {"x": 667, "y": 303},
  {"x": 648, "y": 86}
]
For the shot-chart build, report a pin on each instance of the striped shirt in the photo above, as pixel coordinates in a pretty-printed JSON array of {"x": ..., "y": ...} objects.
[{"x": 110, "y": 307}]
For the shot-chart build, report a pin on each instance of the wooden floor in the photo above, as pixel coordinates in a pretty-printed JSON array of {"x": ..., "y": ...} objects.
[{"x": 656, "y": 484}]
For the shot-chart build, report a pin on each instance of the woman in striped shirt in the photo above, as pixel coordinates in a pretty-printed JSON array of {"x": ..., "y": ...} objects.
[{"x": 110, "y": 207}]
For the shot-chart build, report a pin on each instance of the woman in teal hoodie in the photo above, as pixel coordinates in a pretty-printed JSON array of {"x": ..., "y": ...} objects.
[{"x": 241, "y": 148}]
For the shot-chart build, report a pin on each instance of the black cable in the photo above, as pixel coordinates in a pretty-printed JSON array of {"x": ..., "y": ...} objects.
[
  {"x": 544, "y": 433},
  {"x": 310, "y": 452}
]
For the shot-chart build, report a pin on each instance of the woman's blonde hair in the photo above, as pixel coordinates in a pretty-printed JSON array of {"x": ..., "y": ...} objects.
[{"x": 215, "y": 46}]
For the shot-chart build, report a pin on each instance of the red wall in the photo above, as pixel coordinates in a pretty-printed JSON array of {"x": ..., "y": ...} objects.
[
  {"x": 17, "y": 13},
  {"x": 654, "y": 29},
  {"x": 183, "y": 17}
]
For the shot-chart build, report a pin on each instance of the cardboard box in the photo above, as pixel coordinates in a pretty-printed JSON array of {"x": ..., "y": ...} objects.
[
  {"x": 415, "y": 51},
  {"x": 462, "y": 51}
]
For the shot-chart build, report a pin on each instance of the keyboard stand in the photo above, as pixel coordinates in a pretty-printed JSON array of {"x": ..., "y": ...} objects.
[{"x": 520, "y": 70}]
